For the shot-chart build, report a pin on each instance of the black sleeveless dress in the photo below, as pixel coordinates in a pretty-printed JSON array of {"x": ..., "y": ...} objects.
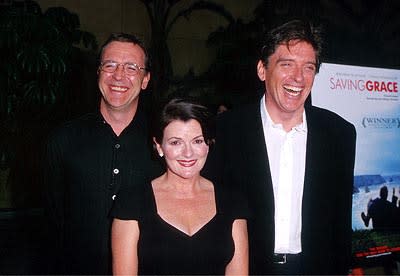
[{"x": 163, "y": 249}]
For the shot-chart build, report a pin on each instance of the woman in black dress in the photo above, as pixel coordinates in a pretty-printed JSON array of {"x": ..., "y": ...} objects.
[{"x": 180, "y": 223}]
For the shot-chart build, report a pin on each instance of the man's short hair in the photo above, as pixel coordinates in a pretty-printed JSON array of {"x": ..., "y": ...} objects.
[
  {"x": 130, "y": 38},
  {"x": 291, "y": 31}
]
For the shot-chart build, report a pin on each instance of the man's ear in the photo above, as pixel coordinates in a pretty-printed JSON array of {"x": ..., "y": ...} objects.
[
  {"x": 261, "y": 70},
  {"x": 145, "y": 81}
]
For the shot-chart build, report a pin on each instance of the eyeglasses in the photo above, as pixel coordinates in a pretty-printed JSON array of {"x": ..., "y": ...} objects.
[{"x": 130, "y": 69}]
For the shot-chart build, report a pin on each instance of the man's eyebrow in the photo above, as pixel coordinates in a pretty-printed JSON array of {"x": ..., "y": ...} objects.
[
  {"x": 312, "y": 63},
  {"x": 290, "y": 59},
  {"x": 284, "y": 59}
]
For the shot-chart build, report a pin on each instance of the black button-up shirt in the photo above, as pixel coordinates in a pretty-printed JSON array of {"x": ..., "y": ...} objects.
[{"x": 86, "y": 166}]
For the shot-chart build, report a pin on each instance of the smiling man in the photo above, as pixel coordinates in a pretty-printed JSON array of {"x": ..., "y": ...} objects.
[
  {"x": 89, "y": 160},
  {"x": 293, "y": 162}
]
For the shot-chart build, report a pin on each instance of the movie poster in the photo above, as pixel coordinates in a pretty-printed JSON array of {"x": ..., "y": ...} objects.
[{"x": 369, "y": 98}]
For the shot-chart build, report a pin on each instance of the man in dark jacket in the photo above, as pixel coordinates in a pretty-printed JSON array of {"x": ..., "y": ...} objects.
[{"x": 294, "y": 163}]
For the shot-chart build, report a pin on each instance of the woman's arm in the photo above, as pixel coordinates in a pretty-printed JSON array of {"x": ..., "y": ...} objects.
[
  {"x": 239, "y": 265},
  {"x": 124, "y": 241}
]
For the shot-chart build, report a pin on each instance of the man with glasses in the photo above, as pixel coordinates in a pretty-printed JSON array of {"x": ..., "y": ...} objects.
[{"x": 91, "y": 159}]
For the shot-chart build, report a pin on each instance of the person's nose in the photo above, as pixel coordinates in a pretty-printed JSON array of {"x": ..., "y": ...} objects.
[
  {"x": 119, "y": 72},
  {"x": 187, "y": 151},
  {"x": 298, "y": 74}
]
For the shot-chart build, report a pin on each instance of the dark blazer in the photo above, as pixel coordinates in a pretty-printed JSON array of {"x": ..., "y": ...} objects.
[{"x": 326, "y": 213}]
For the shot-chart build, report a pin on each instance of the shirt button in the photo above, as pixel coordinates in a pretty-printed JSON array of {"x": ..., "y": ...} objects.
[
  {"x": 115, "y": 171},
  {"x": 117, "y": 146},
  {"x": 113, "y": 197}
]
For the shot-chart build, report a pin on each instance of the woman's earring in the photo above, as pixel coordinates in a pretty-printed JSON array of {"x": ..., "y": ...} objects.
[{"x": 161, "y": 154}]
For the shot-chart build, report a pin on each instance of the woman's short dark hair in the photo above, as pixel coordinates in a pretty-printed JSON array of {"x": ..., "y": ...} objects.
[
  {"x": 183, "y": 110},
  {"x": 129, "y": 38},
  {"x": 290, "y": 31}
]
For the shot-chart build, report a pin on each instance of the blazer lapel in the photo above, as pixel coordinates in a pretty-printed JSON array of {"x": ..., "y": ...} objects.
[
  {"x": 258, "y": 149},
  {"x": 261, "y": 189}
]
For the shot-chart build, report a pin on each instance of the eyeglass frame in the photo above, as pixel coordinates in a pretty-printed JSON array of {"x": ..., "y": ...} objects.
[{"x": 123, "y": 65}]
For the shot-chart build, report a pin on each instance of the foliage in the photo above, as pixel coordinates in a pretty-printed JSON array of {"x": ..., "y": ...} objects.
[
  {"x": 163, "y": 15},
  {"x": 233, "y": 72},
  {"x": 37, "y": 53}
]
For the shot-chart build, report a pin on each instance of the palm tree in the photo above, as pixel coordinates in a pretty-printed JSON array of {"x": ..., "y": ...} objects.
[
  {"x": 163, "y": 15},
  {"x": 37, "y": 51},
  {"x": 233, "y": 72}
]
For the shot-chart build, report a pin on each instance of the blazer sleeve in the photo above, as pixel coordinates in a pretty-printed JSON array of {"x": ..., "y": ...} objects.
[{"x": 347, "y": 149}]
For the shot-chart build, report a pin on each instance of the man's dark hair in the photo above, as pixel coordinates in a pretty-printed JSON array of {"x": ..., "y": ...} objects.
[
  {"x": 290, "y": 31},
  {"x": 183, "y": 110},
  {"x": 123, "y": 37}
]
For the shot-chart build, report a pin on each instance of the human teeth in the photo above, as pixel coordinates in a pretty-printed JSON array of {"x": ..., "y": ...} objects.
[
  {"x": 293, "y": 88},
  {"x": 293, "y": 91},
  {"x": 117, "y": 88}
]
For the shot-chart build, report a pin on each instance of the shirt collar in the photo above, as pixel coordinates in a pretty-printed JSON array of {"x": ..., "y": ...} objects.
[
  {"x": 267, "y": 120},
  {"x": 138, "y": 123}
]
